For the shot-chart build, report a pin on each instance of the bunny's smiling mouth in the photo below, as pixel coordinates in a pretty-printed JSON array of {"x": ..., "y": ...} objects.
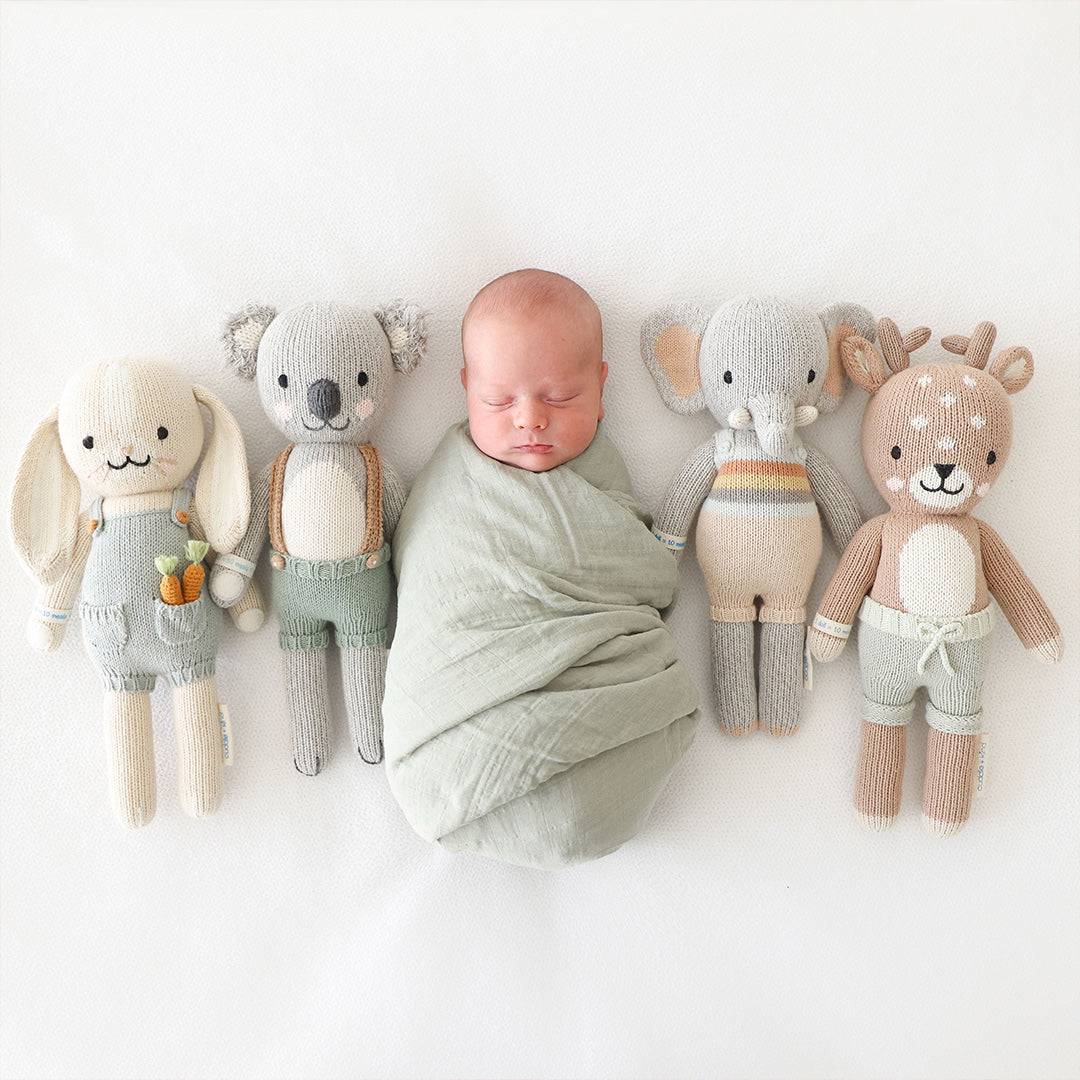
[{"x": 127, "y": 462}]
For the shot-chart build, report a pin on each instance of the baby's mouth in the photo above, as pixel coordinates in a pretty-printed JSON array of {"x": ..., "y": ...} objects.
[{"x": 534, "y": 448}]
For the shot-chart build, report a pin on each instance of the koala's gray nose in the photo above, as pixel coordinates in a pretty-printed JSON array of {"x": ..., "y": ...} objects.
[
  {"x": 324, "y": 399},
  {"x": 944, "y": 470}
]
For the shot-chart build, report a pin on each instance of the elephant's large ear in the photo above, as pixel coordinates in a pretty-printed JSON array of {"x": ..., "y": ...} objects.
[
  {"x": 841, "y": 321},
  {"x": 242, "y": 333},
  {"x": 670, "y": 344}
]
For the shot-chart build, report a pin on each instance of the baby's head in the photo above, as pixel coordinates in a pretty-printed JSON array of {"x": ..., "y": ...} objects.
[{"x": 534, "y": 369}]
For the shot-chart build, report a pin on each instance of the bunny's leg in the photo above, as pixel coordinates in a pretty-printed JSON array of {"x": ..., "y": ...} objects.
[
  {"x": 199, "y": 746},
  {"x": 363, "y": 673},
  {"x": 129, "y": 747}
]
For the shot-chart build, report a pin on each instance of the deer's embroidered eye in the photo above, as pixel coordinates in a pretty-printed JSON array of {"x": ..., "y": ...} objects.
[
  {"x": 813, "y": 375},
  {"x": 361, "y": 379},
  {"x": 163, "y": 432},
  {"x": 895, "y": 451},
  {"x": 283, "y": 380},
  {"x": 727, "y": 377},
  {"x": 991, "y": 458},
  {"x": 88, "y": 442}
]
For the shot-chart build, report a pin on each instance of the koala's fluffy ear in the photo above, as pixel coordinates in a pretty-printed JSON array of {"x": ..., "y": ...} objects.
[
  {"x": 405, "y": 326},
  {"x": 841, "y": 321},
  {"x": 242, "y": 334},
  {"x": 670, "y": 344}
]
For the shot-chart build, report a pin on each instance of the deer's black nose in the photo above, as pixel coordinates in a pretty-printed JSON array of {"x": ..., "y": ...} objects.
[
  {"x": 944, "y": 470},
  {"x": 324, "y": 399}
]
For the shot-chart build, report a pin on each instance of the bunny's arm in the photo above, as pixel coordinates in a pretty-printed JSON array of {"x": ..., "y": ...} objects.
[
  {"x": 53, "y": 603},
  {"x": 850, "y": 583},
  {"x": 684, "y": 497},
  {"x": 393, "y": 499},
  {"x": 228, "y": 583},
  {"x": 830, "y": 490},
  {"x": 1025, "y": 609}
]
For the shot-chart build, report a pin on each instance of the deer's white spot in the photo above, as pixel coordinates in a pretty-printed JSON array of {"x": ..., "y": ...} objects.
[
  {"x": 947, "y": 400},
  {"x": 947, "y": 443},
  {"x": 969, "y": 381},
  {"x": 919, "y": 422},
  {"x": 978, "y": 421},
  {"x": 924, "y": 381}
]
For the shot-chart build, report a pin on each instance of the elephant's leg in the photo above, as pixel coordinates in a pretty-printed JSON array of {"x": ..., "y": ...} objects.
[
  {"x": 733, "y": 673},
  {"x": 950, "y": 762},
  {"x": 879, "y": 774},
  {"x": 200, "y": 752},
  {"x": 363, "y": 673},
  {"x": 305, "y": 682},
  {"x": 780, "y": 676},
  {"x": 129, "y": 749}
]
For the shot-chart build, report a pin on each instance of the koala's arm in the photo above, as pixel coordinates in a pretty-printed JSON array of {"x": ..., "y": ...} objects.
[
  {"x": 248, "y": 612},
  {"x": 852, "y": 581},
  {"x": 1025, "y": 609},
  {"x": 685, "y": 496},
  {"x": 831, "y": 492},
  {"x": 53, "y": 603},
  {"x": 393, "y": 499},
  {"x": 228, "y": 586}
]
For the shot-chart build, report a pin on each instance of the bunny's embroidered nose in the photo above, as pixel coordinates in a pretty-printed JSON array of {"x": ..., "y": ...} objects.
[
  {"x": 324, "y": 399},
  {"x": 944, "y": 470}
]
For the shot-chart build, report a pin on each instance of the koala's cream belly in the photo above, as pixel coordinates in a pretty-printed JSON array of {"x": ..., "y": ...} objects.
[
  {"x": 322, "y": 512},
  {"x": 937, "y": 572}
]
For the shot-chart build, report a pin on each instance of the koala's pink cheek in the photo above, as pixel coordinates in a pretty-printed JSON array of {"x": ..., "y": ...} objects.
[
  {"x": 982, "y": 489},
  {"x": 894, "y": 483},
  {"x": 364, "y": 408},
  {"x": 283, "y": 410}
]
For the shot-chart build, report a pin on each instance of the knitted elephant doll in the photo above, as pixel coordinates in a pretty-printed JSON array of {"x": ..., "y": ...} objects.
[
  {"x": 132, "y": 430},
  {"x": 935, "y": 439},
  {"x": 762, "y": 367},
  {"x": 329, "y": 502}
]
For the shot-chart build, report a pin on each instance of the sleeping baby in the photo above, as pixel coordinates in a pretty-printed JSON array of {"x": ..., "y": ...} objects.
[{"x": 534, "y": 702}]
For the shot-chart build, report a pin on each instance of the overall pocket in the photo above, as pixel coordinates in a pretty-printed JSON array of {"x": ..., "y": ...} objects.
[
  {"x": 180, "y": 624},
  {"x": 105, "y": 631}
]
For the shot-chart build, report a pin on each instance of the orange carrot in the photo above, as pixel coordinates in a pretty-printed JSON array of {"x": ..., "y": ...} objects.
[
  {"x": 195, "y": 550},
  {"x": 170, "y": 583}
]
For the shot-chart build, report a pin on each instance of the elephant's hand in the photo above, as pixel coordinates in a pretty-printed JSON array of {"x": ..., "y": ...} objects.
[{"x": 824, "y": 647}]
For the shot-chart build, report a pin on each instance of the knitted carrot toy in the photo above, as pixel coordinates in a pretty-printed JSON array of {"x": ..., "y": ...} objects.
[
  {"x": 171, "y": 591},
  {"x": 195, "y": 551}
]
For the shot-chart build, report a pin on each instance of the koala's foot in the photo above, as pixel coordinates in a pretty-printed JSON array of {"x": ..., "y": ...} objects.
[
  {"x": 780, "y": 677},
  {"x": 879, "y": 775},
  {"x": 305, "y": 680},
  {"x": 950, "y": 760},
  {"x": 733, "y": 673},
  {"x": 363, "y": 673}
]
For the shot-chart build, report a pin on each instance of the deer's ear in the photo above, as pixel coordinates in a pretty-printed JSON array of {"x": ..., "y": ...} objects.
[{"x": 1013, "y": 368}]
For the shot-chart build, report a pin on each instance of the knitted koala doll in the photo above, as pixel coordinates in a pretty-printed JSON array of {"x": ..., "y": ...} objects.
[
  {"x": 329, "y": 502},
  {"x": 762, "y": 367},
  {"x": 935, "y": 439},
  {"x": 132, "y": 431}
]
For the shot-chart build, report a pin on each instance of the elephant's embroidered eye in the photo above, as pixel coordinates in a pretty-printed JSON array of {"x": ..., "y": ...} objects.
[
  {"x": 727, "y": 376},
  {"x": 162, "y": 432},
  {"x": 991, "y": 458},
  {"x": 361, "y": 379},
  {"x": 895, "y": 451},
  {"x": 88, "y": 442},
  {"x": 283, "y": 380},
  {"x": 812, "y": 376}
]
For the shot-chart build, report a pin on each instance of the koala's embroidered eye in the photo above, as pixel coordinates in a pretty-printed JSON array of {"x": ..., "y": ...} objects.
[
  {"x": 812, "y": 376},
  {"x": 88, "y": 442},
  {"x": 283, "y": 380},
  {"x": 895, "y": 451},
  {"x": 727, "y": 376},
  {"x": 361, "y": 379},
  {"x": 162, "y": 432},
  {"x": 991, "y": 458}
]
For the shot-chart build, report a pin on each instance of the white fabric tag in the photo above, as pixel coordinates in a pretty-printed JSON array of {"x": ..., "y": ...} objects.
[
  {"x": 980, "y": 765},
  {"x": 807, "y": 665},
  {"x": 226, "y": 732}
]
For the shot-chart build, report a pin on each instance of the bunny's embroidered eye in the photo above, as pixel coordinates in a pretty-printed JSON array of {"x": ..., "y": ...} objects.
[
  {"x": 813, "y": 375},
  {"x": 895, "y": 451},
  {"x": 162, "y": 432},
  {"x": 283, "y": 380},
  {"x": 88, "y": 442},
  {"x": 727, "y": 377},
  {"x": 991, "y": 458},
  {"x": 361, "y": 379}
]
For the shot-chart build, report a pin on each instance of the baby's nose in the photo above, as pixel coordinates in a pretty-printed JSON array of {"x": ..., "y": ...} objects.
[{"x": 530, "y": 415}]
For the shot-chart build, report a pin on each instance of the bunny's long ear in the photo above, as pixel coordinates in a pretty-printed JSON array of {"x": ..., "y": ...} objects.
[
  {"x": 670, "y": 343},
  {"x": 45, "y": 504},
  {"x": 223, "y": 493}
]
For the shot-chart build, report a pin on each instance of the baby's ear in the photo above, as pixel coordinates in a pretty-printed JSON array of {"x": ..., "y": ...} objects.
[
  {"x": 405, "y": 326},
  {"x": 670, "y": 345},
  {"x": 242, "y": 333}
]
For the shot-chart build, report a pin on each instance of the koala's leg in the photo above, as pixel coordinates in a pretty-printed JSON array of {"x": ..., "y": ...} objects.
[
  {"x": 363, "y": 673},
  {"x": 879, "y": 775},
  {"x": 129, "y": 748},
  {"x": 200, "y": 750},
  {"x": 780, "y": 676},
  {"x": 733, "y": 673},
  {"x": 950, "y": 764},
  {"x": 305, "y": 681}
]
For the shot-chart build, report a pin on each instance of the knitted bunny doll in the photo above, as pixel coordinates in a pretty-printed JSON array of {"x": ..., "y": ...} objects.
[
  {"x": 132, "y": 430},
  {"x": 935, "y": 439},
  {"x": 329, "y": 502},
  {"x": 762, "y": 367}
]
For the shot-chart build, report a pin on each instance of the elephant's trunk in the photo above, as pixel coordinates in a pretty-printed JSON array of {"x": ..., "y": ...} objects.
[{"x": 774, "y": 422}]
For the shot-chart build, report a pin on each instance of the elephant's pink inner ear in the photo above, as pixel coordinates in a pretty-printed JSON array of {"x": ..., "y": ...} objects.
[{"x": 677, "y": 351}]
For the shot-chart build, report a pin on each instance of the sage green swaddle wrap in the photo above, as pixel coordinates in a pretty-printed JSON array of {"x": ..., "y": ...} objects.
[{"x": 534, "y": 703}]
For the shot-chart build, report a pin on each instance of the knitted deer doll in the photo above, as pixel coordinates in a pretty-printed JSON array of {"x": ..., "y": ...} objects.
[{"x": 935, "y": 439}]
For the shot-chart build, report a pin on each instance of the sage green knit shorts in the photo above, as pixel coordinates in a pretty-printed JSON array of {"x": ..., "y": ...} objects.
[{"x": 349, "y": 593}]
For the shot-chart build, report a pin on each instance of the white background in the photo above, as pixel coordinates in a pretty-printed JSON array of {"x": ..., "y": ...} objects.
[{"x": 163, "y": 164}]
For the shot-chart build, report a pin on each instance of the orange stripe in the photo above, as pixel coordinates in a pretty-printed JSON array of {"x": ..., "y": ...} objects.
[{"x": 774, "y": 468}]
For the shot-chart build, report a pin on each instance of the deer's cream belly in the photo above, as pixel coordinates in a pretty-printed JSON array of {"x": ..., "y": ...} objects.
[
  {"x": 937, "y": 572},
  {"x": 322, "y": 513}
]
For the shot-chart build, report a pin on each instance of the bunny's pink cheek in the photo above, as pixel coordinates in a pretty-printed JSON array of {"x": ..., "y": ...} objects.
[
  {"x": 894, "y": 483},
  {"x": 364, "y": 408},
  {"x": 283, "y": 410}
]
